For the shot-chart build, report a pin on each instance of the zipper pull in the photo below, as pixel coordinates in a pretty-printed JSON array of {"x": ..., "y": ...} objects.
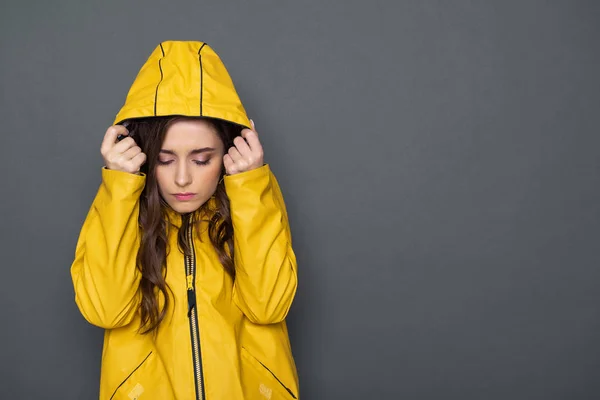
[{"x": 191, "y": 295}]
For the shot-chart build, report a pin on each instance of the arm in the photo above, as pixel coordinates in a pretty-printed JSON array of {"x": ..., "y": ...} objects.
[
  {"x": 104, "y": 272},
  {"x": 265, "y": 263}
]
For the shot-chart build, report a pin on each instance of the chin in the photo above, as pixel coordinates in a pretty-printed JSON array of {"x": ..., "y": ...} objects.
[{"x": 184, "y": 208}]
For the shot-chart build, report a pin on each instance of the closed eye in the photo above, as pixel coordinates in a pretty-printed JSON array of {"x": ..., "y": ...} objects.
[{"x": 197, "y": 162}]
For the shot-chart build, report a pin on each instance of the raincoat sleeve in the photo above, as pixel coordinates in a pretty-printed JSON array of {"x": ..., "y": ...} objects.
[
  {"x": 104, "y": 272},
  {"x": 266, "y": 274}
]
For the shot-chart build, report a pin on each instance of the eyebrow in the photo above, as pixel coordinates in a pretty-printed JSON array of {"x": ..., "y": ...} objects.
[{"x": 193, "y": 152}]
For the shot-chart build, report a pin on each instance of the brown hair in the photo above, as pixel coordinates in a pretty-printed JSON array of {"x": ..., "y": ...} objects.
[{"x": 149, "y": 134}]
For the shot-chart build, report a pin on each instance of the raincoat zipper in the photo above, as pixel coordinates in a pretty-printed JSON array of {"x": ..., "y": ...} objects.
[{"x": 190, "y": 272}]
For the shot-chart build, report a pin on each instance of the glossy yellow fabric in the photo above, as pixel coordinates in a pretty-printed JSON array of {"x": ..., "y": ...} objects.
[
  {"x": 183, "y": 78},
  {"x": 245, "y": 348}
]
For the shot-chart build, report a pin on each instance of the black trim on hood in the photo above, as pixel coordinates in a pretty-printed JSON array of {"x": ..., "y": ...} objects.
[
  {"x": 201, "y": 75},
  {"x": 161, "y": 78}
]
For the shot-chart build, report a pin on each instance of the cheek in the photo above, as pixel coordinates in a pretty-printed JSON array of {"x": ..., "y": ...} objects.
[{"x": 212, "y": 172}]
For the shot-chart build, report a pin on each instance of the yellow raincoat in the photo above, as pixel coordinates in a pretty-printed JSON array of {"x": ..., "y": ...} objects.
[{"x": 234, "y": 343}]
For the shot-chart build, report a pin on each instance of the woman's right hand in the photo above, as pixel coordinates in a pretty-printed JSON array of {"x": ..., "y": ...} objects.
[{"x": 124, "y": 155}]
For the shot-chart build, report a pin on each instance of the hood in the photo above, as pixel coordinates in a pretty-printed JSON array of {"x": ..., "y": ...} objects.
[{"x": 183, "y": 78}]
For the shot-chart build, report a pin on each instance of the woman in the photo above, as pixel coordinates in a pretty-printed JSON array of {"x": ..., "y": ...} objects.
[{"x": 185, "y": 256}]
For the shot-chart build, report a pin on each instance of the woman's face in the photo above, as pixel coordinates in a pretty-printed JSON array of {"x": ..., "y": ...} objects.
[{"x": 189, "y": 164}]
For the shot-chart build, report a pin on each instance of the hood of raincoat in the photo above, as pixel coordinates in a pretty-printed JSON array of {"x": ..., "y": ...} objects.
[{"x": 183, "y": 78}]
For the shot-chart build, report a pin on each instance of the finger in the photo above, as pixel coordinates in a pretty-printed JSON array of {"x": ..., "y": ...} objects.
[
  {"x": 242, "y": 146},
  {"x": 110, "y": 137},
  {"x": 252, "y": 140},
  {"x": 228, "y": 163},
  {"x": 138, "y": 161},
  {"x": 132, "y": 152},
  {"x": 253, "y": 127},
  {"x": 124, "y": 145},
  {"x": 235, "y": 154}
]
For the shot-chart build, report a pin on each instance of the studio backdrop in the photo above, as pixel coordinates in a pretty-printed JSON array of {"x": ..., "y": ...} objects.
[{"x": 439, "y": 161}]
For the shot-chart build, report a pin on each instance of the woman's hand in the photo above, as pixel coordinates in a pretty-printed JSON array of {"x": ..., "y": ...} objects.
[
  {"x": 124, "y": 155},
  {"x": 246, "y": 154}
]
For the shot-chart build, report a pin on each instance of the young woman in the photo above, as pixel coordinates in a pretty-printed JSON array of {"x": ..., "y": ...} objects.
[{"x": 185, "y": 257}]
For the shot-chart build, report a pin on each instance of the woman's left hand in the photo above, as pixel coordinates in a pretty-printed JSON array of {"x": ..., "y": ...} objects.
[{"x": 246, "y": 154}]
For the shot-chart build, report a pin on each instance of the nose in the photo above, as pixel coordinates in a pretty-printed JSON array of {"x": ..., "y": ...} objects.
[{"x": 183, "y": 176}]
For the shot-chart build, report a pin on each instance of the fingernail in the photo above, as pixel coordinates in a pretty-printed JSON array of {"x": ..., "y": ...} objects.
[{"x": 252, "y": 122}]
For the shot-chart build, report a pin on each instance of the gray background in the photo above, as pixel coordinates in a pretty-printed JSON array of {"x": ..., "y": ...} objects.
[{"x": 439, "y": 160}]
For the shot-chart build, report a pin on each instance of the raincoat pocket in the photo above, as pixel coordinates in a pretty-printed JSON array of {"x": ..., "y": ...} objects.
[
  {"x": 148, "y": 381},
  {"x": 259, "y": 382}
]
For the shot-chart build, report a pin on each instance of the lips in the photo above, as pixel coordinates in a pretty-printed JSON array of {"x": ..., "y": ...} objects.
[{"x": 184, "y": 196}]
